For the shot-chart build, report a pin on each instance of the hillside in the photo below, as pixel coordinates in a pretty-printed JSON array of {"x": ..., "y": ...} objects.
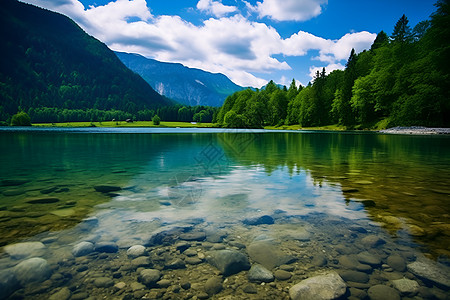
[
  {"x": 185, "y": 85},
  {"x": 49, "y": 61}
]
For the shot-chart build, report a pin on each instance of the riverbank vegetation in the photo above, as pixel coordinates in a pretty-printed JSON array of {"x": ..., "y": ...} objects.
[{"x": 402, "y": 80}]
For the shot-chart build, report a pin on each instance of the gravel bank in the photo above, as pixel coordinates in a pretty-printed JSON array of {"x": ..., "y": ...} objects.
[{"x": 416, "y": 130}]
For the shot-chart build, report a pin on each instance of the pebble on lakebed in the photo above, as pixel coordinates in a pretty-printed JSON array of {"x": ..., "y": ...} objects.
[{"x": 188, "y": 266}]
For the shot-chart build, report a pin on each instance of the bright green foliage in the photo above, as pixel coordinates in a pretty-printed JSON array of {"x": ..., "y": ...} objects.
[
  {"x": 21, "y": 119},
  {"x": 404, "y": 80},
  {"x": 156, "y": 120}
]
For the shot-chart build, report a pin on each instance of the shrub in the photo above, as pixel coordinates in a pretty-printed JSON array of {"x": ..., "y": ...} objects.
[
  {"x": 21, "y": 119},
  {"x": 156, "y": 120}
]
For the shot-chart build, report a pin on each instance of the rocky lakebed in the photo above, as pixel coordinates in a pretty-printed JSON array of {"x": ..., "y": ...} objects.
[{"x": 276, "y": 256}]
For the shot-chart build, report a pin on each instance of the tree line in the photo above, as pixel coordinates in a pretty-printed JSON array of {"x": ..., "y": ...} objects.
[{"x": 402, "y": 80}]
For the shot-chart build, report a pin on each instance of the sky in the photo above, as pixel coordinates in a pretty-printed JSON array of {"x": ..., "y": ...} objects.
[{"x": 250, "y": 41}]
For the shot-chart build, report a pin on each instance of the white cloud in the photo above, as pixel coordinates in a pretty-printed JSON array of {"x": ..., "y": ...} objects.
[
  {"x": 234, "y": 45},
  {"x": 288, "y": 10},
  {"x": 216, "y": 8}
]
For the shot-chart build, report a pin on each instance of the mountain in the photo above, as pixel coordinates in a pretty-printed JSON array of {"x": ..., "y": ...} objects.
[
  {"x": 49, "y": 61},
  {"x": 185, "y": 85}
]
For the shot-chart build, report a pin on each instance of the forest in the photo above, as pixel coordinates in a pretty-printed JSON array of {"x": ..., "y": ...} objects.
[{"x": 402, "y": 80}]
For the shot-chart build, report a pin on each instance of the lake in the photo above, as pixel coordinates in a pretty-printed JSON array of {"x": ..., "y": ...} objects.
[{"x": 202, "y": 206}]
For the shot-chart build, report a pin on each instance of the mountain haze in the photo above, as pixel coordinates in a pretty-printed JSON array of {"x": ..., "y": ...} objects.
[
  {"x": 185, "y": 85},
  {"x": 49, "y": 61}
]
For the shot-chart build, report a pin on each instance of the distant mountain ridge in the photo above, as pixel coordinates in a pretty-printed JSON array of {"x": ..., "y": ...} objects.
[
  {"x": 47, "y": 60},
  {"x": 186, "y": 85}
]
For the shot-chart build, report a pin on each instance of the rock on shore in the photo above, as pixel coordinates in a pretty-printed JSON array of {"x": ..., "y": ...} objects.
[{"x": 416, "y": 130}]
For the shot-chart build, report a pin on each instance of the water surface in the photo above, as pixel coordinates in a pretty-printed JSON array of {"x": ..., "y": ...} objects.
[{"x": 316, "y": 186}]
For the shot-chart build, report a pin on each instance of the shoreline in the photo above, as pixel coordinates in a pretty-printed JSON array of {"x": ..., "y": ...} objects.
[{"x": 416, "y": 130}]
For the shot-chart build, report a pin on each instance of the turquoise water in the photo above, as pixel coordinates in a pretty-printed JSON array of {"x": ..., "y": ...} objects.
[{"x": 314, "y": 185}]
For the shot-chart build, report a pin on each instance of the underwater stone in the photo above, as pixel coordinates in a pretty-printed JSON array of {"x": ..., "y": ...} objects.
[
  {"x": 268, "y": 254},
  {"x": 8, "y": 283},
  {"x": 107, "y": 188},
  {"x": 106, "y": 247},
  {"x": 136, "y": 251},
  {"x": 258, "y": 273},
  {"x": 228, "y": 262},
  {"x": 282, "y": 275},
  {"x": 259, "y": 220},
  {"x": 42, "y": 200},
  {"x": 397, "y": 263},
  {"x": 34, "y": 269},
  {"x": 383, "y": 292},
  {"x": 193, "y": 236},
  {"x": 406, "y": 286},
  {"x": 82, "y": 249},
  {"x": 321, "y": 287},
  {"x": 24, "y": 250},
  {"x": 149, "y": 277},
  {"x": 13, "y": 182},
  {"x": 213, "y": 285},
  {"x": 431, "y": 271},
  {"x": 372, "y": 241}
]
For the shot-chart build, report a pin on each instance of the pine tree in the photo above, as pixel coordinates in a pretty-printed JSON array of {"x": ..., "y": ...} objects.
[
  {"x": 381, "y": 40},
  {"x": 402, "y": 32}
]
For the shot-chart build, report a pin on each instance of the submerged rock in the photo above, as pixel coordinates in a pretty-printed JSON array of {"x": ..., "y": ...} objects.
[
  {"x": 213, "y": 285},
  {"x": 107, "y": 188},
  {"x": 282, "y": 275},
  {"x": 34, "y": 269},
  {"x": 13, "y": 182},
  {"x": 321, "y": 287},
  {"x": 193, "y": 236},
  {"x": 372, "y": 241},
  {"x": 24, "y": 250},
  {"x": 149, "y": 277},
  {"x": 431, "y": 271},
  {"x": 259, "y": 220},
  {"x": 82, "y": 249},
  {"x": 103, "y": 282},
  {"x": 136, "y": 251},
  {"x": 228, "y": 262},
  {"x": 258, "y": 273},
  {"x": 268, "y": 254},
  {"x": 106, "y": 247},
  {"x": 8, "y": 283},
  {"x": 62, "y": 294},
  {"x": 42, "y": 200},
  {"x": 397, "y": 263},
  {"x": 383, "y": 292},
  {"x": 406, "y": 286}
]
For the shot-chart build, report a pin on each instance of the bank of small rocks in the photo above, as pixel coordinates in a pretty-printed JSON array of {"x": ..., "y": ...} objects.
[{"x": 416, "y": 130}]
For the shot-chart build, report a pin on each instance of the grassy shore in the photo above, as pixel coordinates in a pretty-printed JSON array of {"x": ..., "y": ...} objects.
[{"x": 126, "y": 124}]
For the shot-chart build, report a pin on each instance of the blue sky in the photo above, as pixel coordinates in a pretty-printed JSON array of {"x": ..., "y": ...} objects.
[{"x": 249, "y": 41}]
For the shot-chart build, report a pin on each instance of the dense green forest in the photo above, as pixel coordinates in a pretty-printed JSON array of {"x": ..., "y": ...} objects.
[
  {"x": 403, "y": 79},
  {"x": 49, "y": 64}
]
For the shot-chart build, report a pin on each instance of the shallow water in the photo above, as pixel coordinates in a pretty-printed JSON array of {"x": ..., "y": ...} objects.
[{"x": 326, "y": 192}]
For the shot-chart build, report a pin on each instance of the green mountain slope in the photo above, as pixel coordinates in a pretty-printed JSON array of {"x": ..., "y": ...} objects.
[{"x": 49, "y": 61}]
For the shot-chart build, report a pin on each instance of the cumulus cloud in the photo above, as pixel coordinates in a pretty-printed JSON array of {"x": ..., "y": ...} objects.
[
  {"x": 233, "y": 45},
  {"x": 215, "y": 8},
  {"x": 288, "y": 10}
]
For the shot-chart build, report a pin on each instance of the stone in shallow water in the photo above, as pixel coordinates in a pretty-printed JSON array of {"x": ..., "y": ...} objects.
[
  {"x": 259, "y": 220},
  {"x": 175, "y": 265},
  {"x": 282, "y": 275},
  {"x": 354, "y": 276},
  {"x": 228, "y": 262},
  {"x": 34, "y": 269},
  {"x": 62, "y": 294},
  {"x": 15, "y": 192},
  {"x": 372, "y": 241},
  {"x": 24, "y": 250},
  {"x": 13, "y": 182},
  {"x": 397, "y": 263},
  {"x": 103, "y": 282},
  {"x": 430, "y": 271},
  {"x": 268, "y": 254},
  {"x": 383, "y": 292},
  {"x": 213, "y": 285},
  {"x": 106, "y": 247},
  {"x": 8, "y": 283},
  {"x": 107, "y": 188},
  {"x": 258, "y": 273},
  {"x": 321, "y": 287},
  {"x": 406, "y": 286},
  {"x": 136, "y": 251},
  {"x": 193, "y": 236},
  {"x": 369, "y": 258},
  {"x": 82, "y": 249},
  {"x": 149, "y": 277},
  {"x": 42, "y": 200}
]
